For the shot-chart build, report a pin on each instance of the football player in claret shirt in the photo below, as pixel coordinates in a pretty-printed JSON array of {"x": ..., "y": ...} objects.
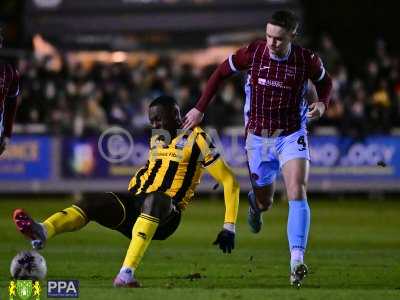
[
  {"x": 276, "y": 113},
  {"x": 9, "y": 90},
  {"x": 158, "y": 193}
]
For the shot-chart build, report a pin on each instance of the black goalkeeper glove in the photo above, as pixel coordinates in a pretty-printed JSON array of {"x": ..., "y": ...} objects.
[{"x": 225, "y": 240}]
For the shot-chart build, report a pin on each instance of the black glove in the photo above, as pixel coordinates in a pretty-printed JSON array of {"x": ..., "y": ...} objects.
[{"x": 225, "y": 240}]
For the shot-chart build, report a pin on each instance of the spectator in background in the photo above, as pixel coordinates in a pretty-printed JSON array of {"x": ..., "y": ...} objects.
[
  {"x": 356, "y": 114},
  {"x": 60, "y": 117},
  {"x": 94, "y": 116},
  {"x": 229, "y": 97},
  {"x": 122, "y": 109},
  {"x": 335, "y": 112},
  {"x": 140, "y": 122},
  {"x": 396, "y": 111},
  {"x": 383, "y": 59},
  {"x": 328, "y": 52},
  {"x": 372, "y": 75},
  {"x": 380, "y": 108}
]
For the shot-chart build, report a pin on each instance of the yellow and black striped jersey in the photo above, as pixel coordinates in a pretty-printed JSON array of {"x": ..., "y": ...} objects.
[{"x": 175, "y": 168}]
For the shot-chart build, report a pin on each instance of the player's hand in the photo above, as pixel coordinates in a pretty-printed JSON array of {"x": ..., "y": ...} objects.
[
  {"x": 4, "y": 141},
  {"x": 315, "y": 110},
  {"x": 225, "y": 240},
  {"x": 192, "y": 118}
]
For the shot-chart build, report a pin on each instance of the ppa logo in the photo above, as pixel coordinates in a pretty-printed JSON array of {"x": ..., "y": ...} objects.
[{"x": 62, "y": 289}]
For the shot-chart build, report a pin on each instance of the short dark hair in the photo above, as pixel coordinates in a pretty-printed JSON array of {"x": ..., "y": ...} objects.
[
  {"x": 165, "y": 101},
  {"x": 286, "y": 19}
]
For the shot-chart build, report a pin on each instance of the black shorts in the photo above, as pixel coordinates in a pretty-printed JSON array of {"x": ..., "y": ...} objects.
[{"x": 133, "y": 206}]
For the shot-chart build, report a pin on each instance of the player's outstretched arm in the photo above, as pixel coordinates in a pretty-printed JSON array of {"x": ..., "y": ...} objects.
[
  {"x": 224, "y": 175},
  {"x": 195, "y": 115},
  {"x": 239, "y": 61}
]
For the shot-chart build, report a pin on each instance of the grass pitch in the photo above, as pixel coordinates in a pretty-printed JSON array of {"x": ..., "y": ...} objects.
[{"x": 353, "y": 253}]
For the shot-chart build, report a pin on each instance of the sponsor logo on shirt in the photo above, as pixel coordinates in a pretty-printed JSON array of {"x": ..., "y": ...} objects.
[{"x": 273, "y": 83}]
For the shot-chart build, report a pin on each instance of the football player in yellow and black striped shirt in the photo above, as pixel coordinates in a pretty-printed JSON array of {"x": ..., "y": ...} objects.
[{"x": 158, "y": 193}]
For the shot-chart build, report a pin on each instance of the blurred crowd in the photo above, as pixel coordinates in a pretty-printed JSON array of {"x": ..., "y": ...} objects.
[
  {"x": 365, "y": 102},
  {"x": 79, "y": 100},
  {"x": 84, "y": 101}
]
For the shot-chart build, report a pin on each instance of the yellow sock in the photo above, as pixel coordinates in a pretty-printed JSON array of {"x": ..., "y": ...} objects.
[
  {"x": 142, "y": 233},
  {"x": 69, "y": 219}
]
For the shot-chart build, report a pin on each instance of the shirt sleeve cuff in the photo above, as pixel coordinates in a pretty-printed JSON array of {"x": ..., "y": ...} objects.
[
  {"x": 230, "y": 227},
  {"x": 231, "y": 65}
]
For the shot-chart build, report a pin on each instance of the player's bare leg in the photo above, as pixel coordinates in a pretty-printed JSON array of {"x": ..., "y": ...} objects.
[
  {"x": 295, "y": 173},
  {"x": 260, "y": 200}
]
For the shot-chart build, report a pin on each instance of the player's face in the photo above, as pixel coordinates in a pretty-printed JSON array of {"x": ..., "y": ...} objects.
[
  {"x": 166, "y": 118},
  {"x": 278, "y": 39}
]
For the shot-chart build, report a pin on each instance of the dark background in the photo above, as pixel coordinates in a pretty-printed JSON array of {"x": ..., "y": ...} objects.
[{"x": 354, "y": 26}]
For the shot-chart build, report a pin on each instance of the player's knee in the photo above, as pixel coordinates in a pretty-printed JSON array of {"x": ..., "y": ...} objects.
[
  {"x": 102, "y": 208},
  {"x": 264, "y": 198},
  {"x": 157, "y": 205},
  {"x": 87, "y": 203},
  {"x": 264, "y": 202},
  {"x": 297, "y": 191}
]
